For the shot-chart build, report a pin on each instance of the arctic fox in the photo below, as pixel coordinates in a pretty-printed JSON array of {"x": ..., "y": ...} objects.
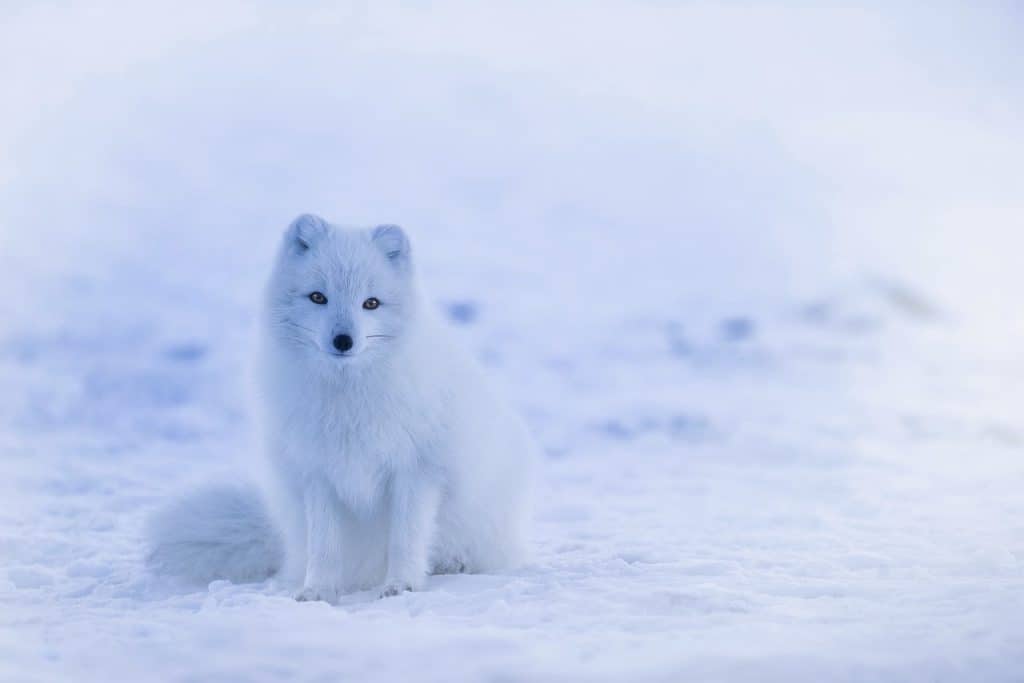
[{"x": 390, "y": 457}]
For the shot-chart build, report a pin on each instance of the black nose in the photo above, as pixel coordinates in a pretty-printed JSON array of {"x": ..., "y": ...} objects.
[{"x": 343, "y": 342}]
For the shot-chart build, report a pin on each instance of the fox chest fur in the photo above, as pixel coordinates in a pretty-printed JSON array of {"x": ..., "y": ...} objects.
[{"x": 357, "y": 434}]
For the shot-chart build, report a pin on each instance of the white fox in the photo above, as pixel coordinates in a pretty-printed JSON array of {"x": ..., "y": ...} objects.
[{"x": 390, "y": 457}]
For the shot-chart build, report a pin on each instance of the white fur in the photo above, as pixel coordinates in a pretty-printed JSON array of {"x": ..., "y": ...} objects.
[
  {"x": 219, "y": 532},
  {"x": 394, "y": 459}
]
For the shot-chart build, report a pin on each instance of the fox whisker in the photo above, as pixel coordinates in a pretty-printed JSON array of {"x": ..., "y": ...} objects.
[{"x": 291, "y": 324}]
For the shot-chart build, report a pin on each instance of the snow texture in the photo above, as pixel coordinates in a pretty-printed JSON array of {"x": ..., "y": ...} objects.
[{"x": 751, "y": 271}]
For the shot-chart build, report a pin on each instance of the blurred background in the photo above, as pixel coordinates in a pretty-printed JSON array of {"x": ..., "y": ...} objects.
[
  {"x": 738, "y": 150},
  {"x": 752, "y": 271}
]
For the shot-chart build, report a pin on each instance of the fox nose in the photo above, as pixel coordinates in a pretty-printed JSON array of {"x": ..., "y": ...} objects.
[{"x": 343, "y": 342}]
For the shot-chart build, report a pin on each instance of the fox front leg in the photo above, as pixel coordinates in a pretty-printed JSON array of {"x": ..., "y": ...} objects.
[
  {"x": 415, "y": 498},
  {"x": 323, "y": 544}
]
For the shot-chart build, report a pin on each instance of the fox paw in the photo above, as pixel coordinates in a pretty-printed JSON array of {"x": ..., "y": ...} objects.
[
  {"x": 317, "y": 594},
  {"x": 394, "y": 588}
]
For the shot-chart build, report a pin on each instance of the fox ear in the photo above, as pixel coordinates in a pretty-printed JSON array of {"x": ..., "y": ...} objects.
[
  {"x": 392, "y": 240},
  {"x": 305, "y": 231}
]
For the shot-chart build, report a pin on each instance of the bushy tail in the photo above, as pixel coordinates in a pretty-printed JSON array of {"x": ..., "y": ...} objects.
[{"x": 219, "y": 532}]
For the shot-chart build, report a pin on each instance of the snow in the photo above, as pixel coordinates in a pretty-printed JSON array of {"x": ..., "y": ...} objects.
[{"x": 749, "y": 271}]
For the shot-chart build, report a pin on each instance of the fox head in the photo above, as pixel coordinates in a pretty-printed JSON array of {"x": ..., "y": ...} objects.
[{"x": 341, "y": 295}]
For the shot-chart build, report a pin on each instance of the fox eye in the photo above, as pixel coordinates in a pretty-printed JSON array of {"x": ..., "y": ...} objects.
[
  {"x": 318, "y": 298},
  {"x": 371, "y": 303}
]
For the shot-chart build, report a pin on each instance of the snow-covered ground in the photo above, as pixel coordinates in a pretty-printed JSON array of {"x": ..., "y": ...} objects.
[{"x": 751, "y": 271}]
